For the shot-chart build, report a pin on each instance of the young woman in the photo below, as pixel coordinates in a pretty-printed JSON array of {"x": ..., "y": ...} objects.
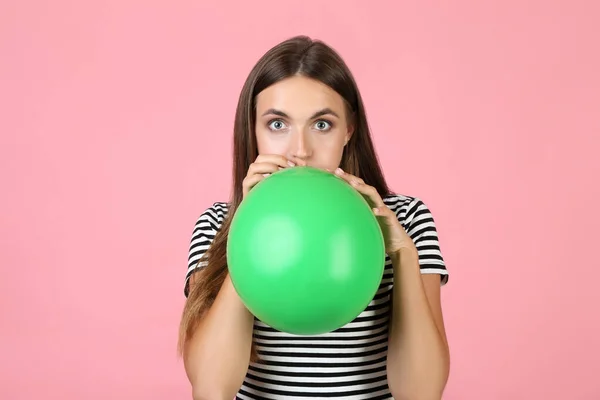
[{"x": 300, "y": 106}]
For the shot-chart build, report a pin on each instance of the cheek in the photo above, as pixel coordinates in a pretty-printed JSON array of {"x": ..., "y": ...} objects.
[
  {"x": 328, "y": 153},
  {"x": 270, "y": 144}
]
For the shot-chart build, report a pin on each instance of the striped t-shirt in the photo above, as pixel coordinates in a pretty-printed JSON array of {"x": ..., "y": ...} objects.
[{"x": 348, "y": 363}]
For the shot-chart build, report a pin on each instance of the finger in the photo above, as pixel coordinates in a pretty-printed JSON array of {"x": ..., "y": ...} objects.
[
  {"x": 277, "y": 159},
  {"x": 297, "y": 161},
  {"x": 262, "y": 168},
  {"x": 351, "y": 179},
  {"x": 384, "y": 211},
  {"x": 369, "y": 191},
  {"x": 250, "y": 182}
]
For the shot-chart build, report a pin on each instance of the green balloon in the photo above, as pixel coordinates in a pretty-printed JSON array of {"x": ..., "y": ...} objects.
[{"x": 305, "y": 252}]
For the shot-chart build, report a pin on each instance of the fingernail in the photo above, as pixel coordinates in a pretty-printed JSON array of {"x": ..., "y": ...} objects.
[
  {"x": 339, "y": 171},
  {"x": 291, "y": 164},
  {"x": 265, "y": 175},
  {"x": 376, "y": 210}
]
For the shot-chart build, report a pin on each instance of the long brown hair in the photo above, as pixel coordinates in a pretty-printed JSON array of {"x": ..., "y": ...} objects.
[{"x": 299, "y": 55}]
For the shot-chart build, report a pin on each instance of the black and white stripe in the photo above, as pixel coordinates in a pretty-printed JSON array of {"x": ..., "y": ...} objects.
[{"x": 349, "y": 363}]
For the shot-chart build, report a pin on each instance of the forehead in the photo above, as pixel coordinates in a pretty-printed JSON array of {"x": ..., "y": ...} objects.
[{"x": 299, "y": 96}]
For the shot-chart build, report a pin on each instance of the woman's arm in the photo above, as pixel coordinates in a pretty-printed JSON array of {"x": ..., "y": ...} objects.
[
  {"x": 418, "y": 356},
  {"x": 216, "y": 358}
]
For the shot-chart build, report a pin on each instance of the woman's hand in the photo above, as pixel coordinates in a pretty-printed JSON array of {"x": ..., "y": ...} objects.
[
  {"x": 263, "y": 166},
  {"x": 396, "y": 238}
]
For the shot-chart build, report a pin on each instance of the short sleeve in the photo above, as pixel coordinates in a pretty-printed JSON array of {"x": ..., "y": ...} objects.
[
  {"x": 205, "y": 229},
  {"x": 420, "y": 226}
]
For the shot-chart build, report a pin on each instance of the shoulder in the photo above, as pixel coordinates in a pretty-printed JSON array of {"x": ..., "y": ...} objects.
[
  {"x": 418, "y": 221},
  {"x": 398, "y": 202},
  {"x": 212, "y": 217},
  {"x": 205, "y": 229},
  {"x": 407, "y": 208},
  {"x": 412, "y": 212}
]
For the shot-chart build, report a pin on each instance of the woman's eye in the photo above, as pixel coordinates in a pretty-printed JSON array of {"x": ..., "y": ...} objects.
[
  {"x": 323, "y": 125},
  {"x": 276, "y": 125}
]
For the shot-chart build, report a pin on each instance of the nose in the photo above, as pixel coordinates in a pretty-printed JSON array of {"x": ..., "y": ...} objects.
[{"x": 300, "y": 146}]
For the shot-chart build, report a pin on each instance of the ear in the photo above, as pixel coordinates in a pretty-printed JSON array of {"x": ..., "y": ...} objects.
[{"x": 349, "y": 134}]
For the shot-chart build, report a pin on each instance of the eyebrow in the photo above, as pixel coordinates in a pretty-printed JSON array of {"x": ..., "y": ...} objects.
[{"x": 320, "y": 113}]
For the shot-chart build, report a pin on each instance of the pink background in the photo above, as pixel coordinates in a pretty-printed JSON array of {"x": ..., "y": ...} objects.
[{"x": 116, "y": 115}]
